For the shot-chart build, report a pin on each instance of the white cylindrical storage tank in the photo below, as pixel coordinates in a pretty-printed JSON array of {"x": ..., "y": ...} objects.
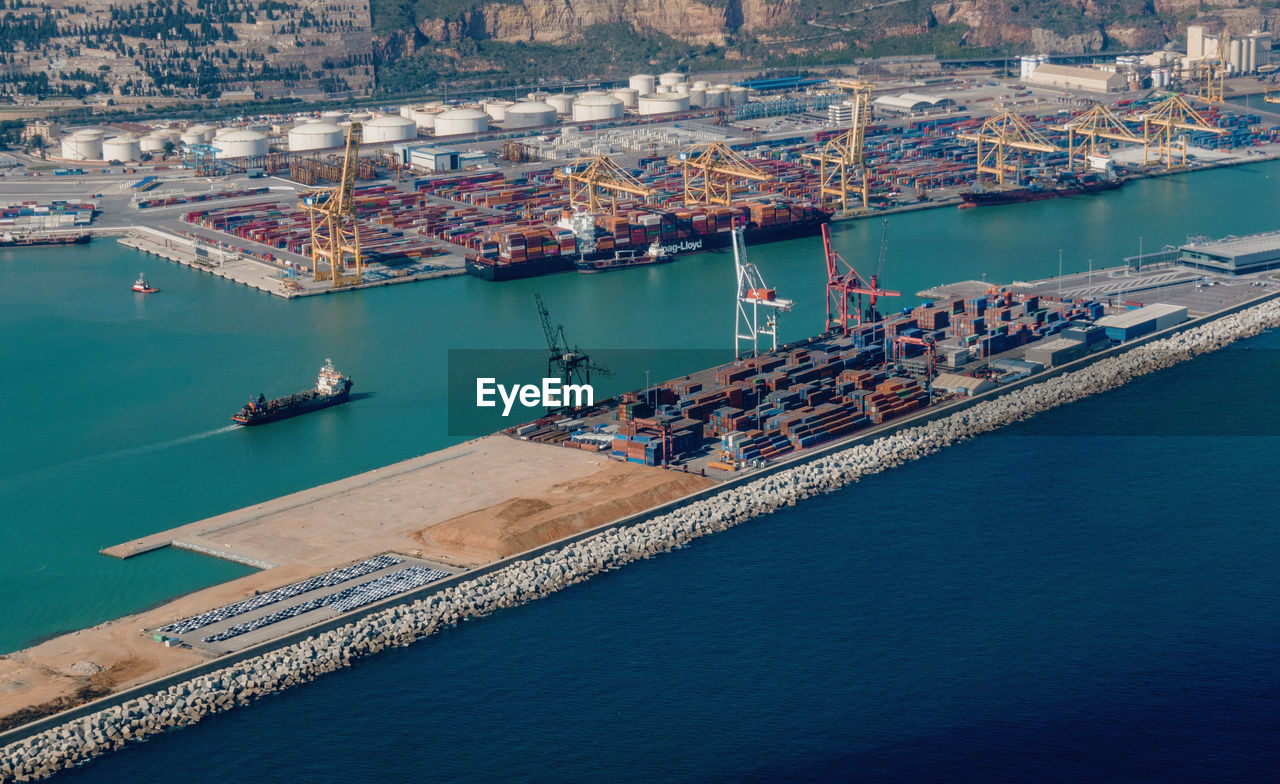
[
  {"x": 683, "y": 88},
  {"x": 389, "y": 129},
  {"x": 738, "y": 95},
  {"x": 152, "y": 143},
  {"x": 701, "y": 84},
  {"x": 530, "y": 114},
  {"x": 241, "y": 144},
  {"x": 192, "y": 137},
  {"x": 425, "y": 116},
  {"x": 563, "y": 103},
  {"x": 697, "y": 96},
  {"x": 671, "y": 78},
  {"x": 716, "y": 97},
  {"x": 456, "y": 122},
  {"x": 1235, "y": 54},
  {"x": 643, "y": 84},
  {"x": 205, "y": 132},
  {"x": 361, "y": 117},
  {"x": 497, "y": 110},
  {"x": 597, "y": 106},
  {"x": 314, "y": 136},
  {"x": 333, "y": 116},
  {"x": 83, "y": 146},
  {"x": 1250, "y": 52},
  {"x": 407, "y": 111},
  {"x": 661, "y": 89},
  {"x": 630, "y": 97},
  {"x": 662, "y": 104},
  {"x": 121, "y": 148}
]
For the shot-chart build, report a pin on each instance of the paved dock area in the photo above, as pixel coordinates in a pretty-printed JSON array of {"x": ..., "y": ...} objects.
[{"x": 1199, "y": 291}]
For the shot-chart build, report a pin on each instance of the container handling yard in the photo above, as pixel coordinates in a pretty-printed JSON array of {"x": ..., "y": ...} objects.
[{"x": 315, "y": 203}]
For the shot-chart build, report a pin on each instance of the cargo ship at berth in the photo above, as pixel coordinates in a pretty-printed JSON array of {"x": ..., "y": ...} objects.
[
  {"x": 594, "y": 243},
  {"x": 332, "y": 388},
  {"x": 8, "y": 240},
  {"x": 1081, "y": 185}
]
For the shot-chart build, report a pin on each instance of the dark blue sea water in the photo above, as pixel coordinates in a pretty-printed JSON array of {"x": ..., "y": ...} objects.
[{"x": 1092, "y": 595}]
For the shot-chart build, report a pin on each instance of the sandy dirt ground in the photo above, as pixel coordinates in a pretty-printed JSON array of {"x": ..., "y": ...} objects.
[{"x": 467, "y": 505}]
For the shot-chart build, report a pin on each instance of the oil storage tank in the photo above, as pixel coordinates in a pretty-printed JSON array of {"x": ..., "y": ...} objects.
[
  {"x": 530, "y": 114},
  {"x": 83, "y": 145},
  {"x": 155, "y": 141},
  {"x": 497, "y": 110},
  {"x": 643, "y": 84},
  {"x": 671, "y": 79},
  {"x": 457, "y": 122},
  {"x": 389, "y": 129},
  {"x": 121, "y": 148},
  {"x": 629, "y": 96},
  {"x": 241, "y": 143},
  {"x": 563, "y": 103},
  {"x": 314, "y": 136},
  {"x": 597, "y": 106},
  {"x": 663, "y": 104}
]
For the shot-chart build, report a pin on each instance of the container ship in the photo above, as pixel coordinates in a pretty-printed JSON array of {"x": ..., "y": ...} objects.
[
  {"x": 332, "y": 388},
  {"x": 659, "y": 235},
  {"x": 8, "y": 240},
  {"x": 1073, "y": 185}
]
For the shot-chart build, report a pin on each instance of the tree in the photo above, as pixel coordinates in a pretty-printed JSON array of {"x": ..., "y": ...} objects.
[
  {"x": 37, "y": 143},
  {"x": 168, "y": 148}
]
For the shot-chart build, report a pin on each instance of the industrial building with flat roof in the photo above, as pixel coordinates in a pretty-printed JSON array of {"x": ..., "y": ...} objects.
[
  {"x": 1142, "y": 321},
  {"x": 1234, "y": 255},
  {"x": 1075, "y": 78}
]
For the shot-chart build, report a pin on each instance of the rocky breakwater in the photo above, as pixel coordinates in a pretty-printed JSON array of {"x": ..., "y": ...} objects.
[{"x": 520, "y": 581}]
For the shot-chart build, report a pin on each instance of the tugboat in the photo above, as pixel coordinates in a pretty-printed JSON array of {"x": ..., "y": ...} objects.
[
  {"x": 332, "y": 388},
  {"x": 142, "y": 286}
]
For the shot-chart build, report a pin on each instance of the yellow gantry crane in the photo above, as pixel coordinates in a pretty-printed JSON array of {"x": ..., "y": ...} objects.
[
  {"x": 335, "y": 232},
  {"x": 1084, "y": 131},
  {"x": 842, "y": 166},
  {"x": 1161, "y": 121},
  {"x": 997, "y": 140},
  {"x": 598, "y": 184},
  {"x": 710, "y": 171}
]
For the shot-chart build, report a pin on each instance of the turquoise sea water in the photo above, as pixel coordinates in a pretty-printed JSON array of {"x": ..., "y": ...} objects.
[{"x": 1092, "y": 586}]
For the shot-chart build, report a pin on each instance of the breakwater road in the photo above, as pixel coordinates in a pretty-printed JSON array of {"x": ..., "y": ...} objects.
[{"x": 517, "y": 581}]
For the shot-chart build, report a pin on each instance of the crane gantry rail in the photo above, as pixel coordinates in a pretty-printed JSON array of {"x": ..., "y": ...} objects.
[
  {"x": 1170, "y": 115},
  {"x": 1002, "y": 135},
  {"x": 1084, "y": 131},
  {"x": 598, "y": 184},
  {"x": 335, "y": 232},
  {"x": 710, "y": 171}
]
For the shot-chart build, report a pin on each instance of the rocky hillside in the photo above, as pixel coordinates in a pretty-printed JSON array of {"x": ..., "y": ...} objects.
[{"x": 584, "y": 38}]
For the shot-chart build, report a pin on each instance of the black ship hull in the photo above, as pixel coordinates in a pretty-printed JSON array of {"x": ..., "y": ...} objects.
[
  {"x": 1019, "y": 195},
  {"x": 482, "y": 268},
  {"x": 292, "y": 406},
  {"x": 31, "y": 242}
]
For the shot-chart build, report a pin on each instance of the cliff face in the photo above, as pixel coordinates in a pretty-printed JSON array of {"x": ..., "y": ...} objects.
[{"x": 558, "y": 20}]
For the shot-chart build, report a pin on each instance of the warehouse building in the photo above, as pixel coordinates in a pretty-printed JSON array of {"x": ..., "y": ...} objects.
[
  {"x": 1234, "y": 255},
  {"x": 1070, "y": 77},
  {"x": 1052, "y": 353},
  {"x": 962, "y": 385},
  {"x": 1142, "y": 321},
  {"x": 911, "y": 103}
]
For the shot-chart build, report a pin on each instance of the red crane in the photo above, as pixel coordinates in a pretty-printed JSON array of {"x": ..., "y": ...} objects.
[
  {"x": 843, "y": 285},
  {"x": 930, "y": 348}
]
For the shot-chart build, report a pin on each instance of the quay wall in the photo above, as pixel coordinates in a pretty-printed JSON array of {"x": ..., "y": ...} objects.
[{"x": 44, "y": 747}]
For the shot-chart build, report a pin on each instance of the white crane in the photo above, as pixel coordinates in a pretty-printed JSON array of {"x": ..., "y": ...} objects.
[{"x": 751, "y": 295}]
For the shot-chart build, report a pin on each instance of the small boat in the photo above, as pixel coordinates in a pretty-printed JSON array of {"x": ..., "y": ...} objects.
[{"x": 142, "y": 286}]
